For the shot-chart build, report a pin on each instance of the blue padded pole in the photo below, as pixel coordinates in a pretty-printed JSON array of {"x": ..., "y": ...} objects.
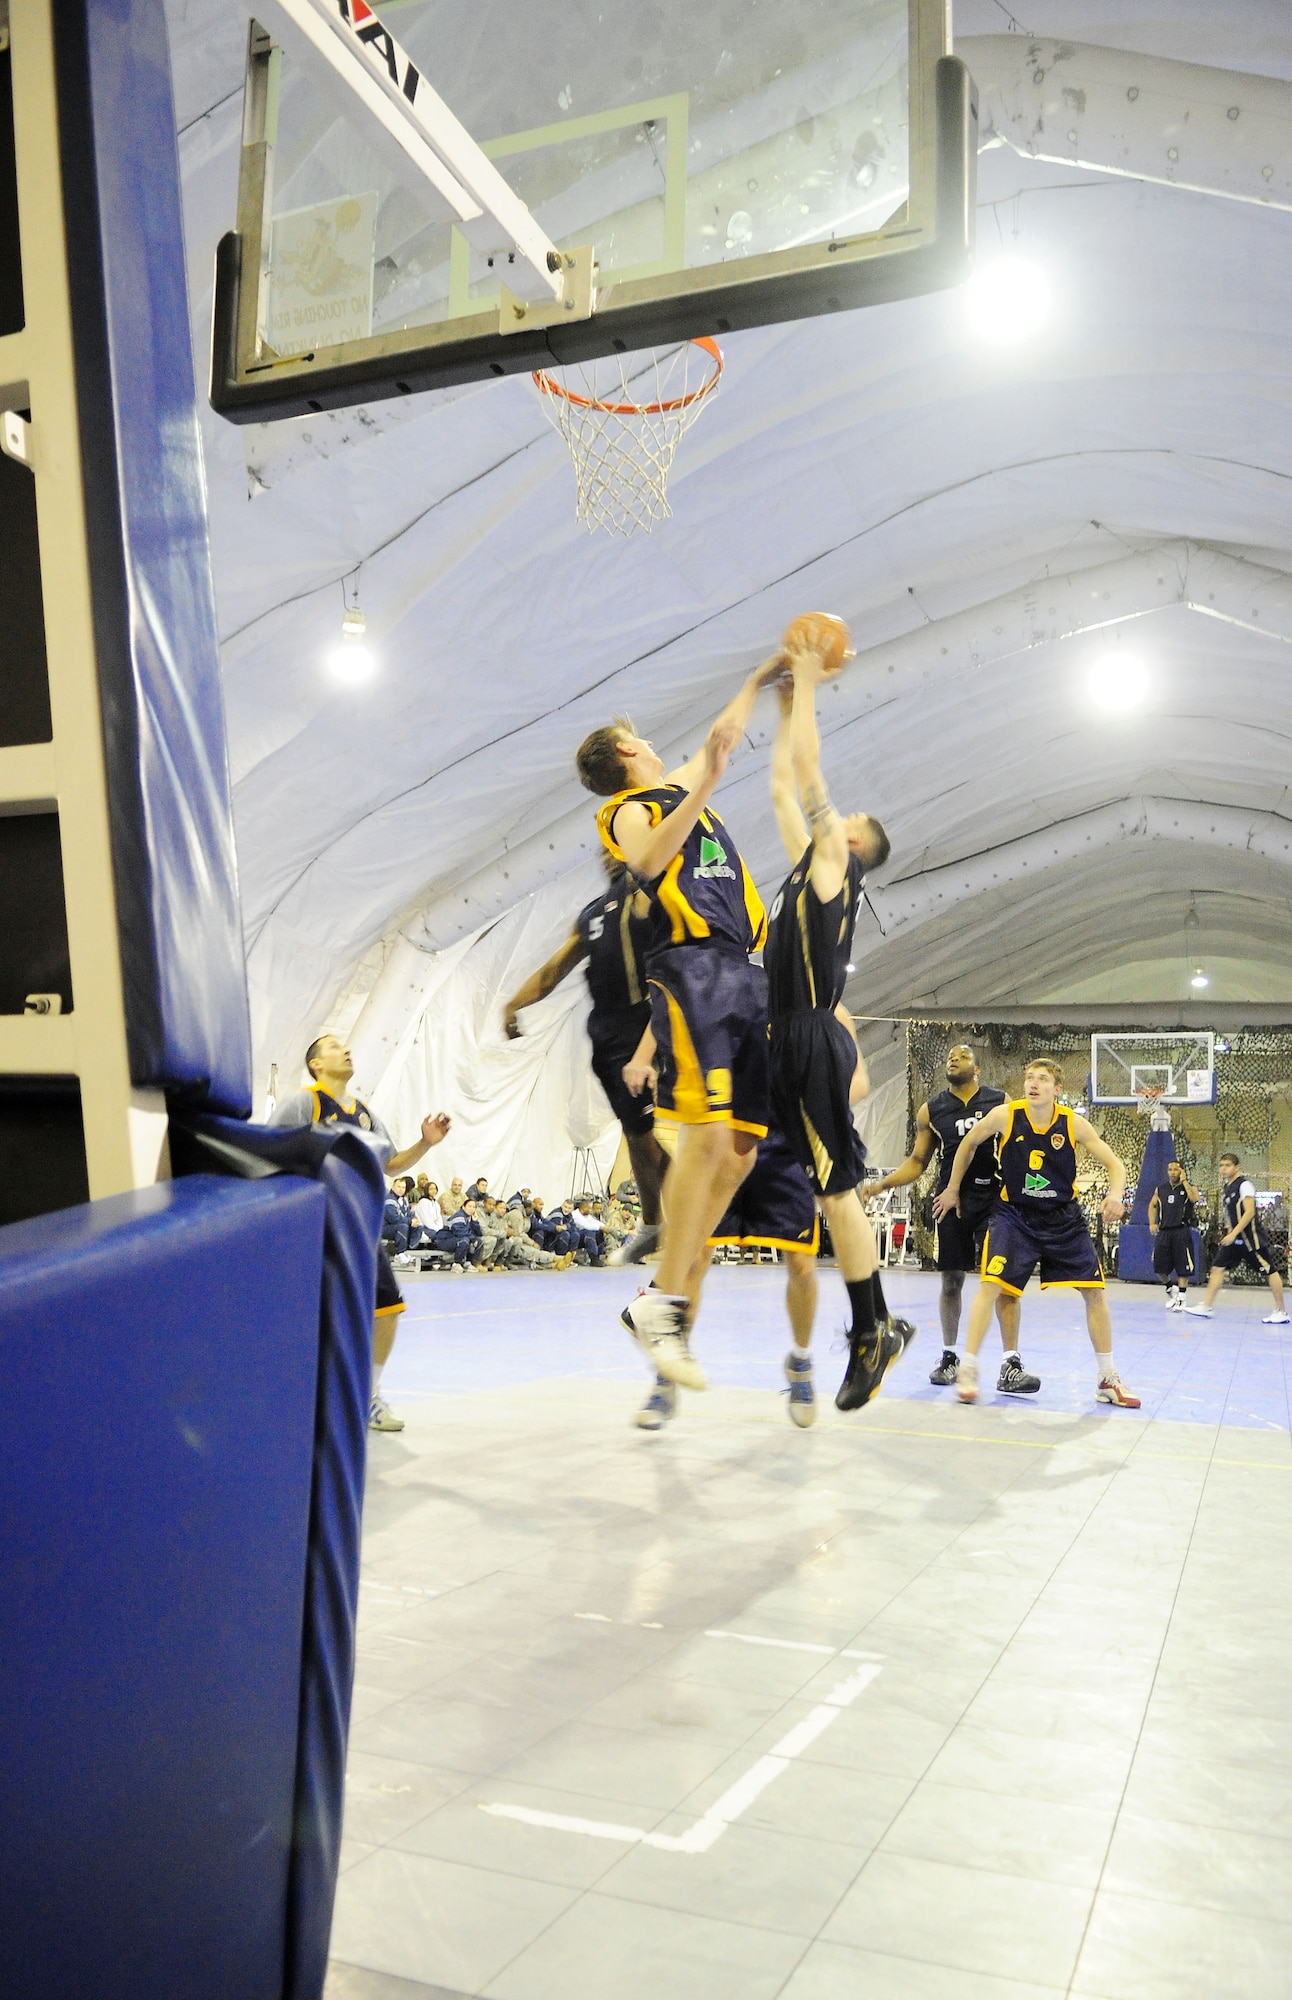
[{"x": 353, "y": 1182}]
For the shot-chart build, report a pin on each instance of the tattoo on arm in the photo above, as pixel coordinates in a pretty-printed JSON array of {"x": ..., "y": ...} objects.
[{"x": 817, "y": 806}]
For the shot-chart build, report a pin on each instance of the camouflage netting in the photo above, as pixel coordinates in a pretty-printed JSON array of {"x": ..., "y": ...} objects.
[{"x": 1253, "y": 1085}]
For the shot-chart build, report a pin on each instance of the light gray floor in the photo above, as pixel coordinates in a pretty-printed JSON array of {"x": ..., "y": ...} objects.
[{"x": 1072, "y": 1772}]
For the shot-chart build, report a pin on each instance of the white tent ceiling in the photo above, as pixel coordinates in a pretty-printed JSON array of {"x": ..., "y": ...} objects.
[{"x": 973, "y": 512}]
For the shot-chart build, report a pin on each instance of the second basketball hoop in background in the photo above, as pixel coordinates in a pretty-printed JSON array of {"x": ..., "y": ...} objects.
[{"x": 622, "y": 420}]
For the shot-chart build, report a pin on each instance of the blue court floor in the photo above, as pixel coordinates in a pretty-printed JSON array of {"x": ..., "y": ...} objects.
[{"x": 930, "y": 1702}]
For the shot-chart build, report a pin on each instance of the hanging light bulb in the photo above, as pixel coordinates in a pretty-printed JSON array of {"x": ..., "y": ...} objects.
[
  {"x": 1191, "y": 920},
  {"x": 352, "y": 662},
  {"x": 1199, "y": 979}
]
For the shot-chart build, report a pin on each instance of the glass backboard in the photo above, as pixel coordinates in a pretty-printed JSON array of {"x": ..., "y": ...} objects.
[{"x": 691, "y": 169}]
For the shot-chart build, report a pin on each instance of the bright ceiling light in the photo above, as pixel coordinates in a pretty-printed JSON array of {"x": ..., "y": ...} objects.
[
  {"x": 1007, "y": 300},
  {"x": 1118, "y": 682},
  {"x": 352, "y": 662},
  {"x": 1200, "y": 979}
]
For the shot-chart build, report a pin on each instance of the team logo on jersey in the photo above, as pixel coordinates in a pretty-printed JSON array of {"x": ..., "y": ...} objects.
[
  {"x": 713, "y": 860},
  {"x": 1037, "y": 1184},
  {"x": 1056, "y": 1140}
]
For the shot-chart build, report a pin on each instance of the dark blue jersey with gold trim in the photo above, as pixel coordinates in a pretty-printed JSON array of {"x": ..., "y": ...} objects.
[
  {"x": 706, "y": 894},
  {"x": 1038, "y": 1169},
  {"x": 951, "y": 1117},
  {"x": 1232, "y": 1193},
  {"x": 809, "y": 943},
  {"x": 614, "y": 930}
]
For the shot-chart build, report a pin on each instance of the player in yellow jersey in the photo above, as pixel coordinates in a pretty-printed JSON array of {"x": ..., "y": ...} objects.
[
  {"x": 1037, "y": 1219},
  {"x": 708, "y": 1003}
]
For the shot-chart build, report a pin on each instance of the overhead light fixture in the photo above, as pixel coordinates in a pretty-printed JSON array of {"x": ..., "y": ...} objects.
[
  {"x": 850, "y": 968},
  {"x": 1199, "y": 979},
  {"x": 352, "y": 662},
  {"x": 1191, "y": 918},
  {"x": 1118, "y": 682},
  {"x": 1007, "y": 300}
]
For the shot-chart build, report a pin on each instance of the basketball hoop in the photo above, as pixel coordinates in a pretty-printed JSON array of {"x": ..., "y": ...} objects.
[
  {"x": 1148, "y": 1103},
  {"x": 622, "y": 450}
]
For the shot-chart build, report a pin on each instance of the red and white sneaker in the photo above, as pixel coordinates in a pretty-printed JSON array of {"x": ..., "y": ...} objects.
[{"x": 1113, "y": 1390}]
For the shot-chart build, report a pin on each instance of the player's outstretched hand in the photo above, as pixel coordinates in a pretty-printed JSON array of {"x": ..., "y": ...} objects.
[
  {"x": 1114, "y": 1208},
  {"x": 774, "y": 672},
  {"x": 806, "y": 663},
  {"x": 718, "y": 746},
  {"x": 945, "y": 1204},
  {"x": 435, "y": 1126}
]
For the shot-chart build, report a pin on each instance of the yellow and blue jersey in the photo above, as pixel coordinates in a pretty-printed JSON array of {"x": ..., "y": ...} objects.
[
  {"x": 706, "y": 894},
  {"x": 1038, "y": 1170}
]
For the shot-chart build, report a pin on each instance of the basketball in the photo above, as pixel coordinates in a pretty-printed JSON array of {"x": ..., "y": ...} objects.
[{"x": 821, "y": 632}]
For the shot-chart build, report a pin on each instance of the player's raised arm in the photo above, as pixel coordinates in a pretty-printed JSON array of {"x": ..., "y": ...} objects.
[
  {"x": 991, "y": 1127},
  {"x": 829, "y": 834},
  {"x": 916, "y": 1160},
  {"x": 785, "y": 792},
  {"x": 539, "y": 984},
  {"x": 731, "y": 724},
  {"x": 1114, "y": 1201}
]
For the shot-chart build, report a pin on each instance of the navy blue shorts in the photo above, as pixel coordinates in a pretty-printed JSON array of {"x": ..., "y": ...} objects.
[
  {"x": 709, "y": 1015},
  {"x": 1173, "y": 1253},
  {"x": 1058, "y": 1241},
  {"x": 814, "y": 1059},
  {"x": 614, "y": 1039},
  {"x": 389, "y": 1297},
  {"x": 961, "y": 1237},
  {"x": 1229, "y": 1257},
  {"x": 774, "y": 1206}
]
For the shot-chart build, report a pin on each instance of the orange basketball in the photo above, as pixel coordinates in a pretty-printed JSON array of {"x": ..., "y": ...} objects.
[{"x": 821, "y": 632}]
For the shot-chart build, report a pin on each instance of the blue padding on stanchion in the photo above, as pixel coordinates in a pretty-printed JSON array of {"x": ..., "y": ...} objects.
[
  {"x": 158, "y": 1363},
  {"x": 351, "y": 1177},
  {"x": 1135, "y": 1239},
  {"x": 156, "y": 642}
]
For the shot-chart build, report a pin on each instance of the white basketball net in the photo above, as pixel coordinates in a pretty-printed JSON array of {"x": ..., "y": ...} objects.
[{"x": 622, "y": 420}]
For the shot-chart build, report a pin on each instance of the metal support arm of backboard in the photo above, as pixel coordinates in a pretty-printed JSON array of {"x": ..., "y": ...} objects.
[{"x": 359, "y": 50}]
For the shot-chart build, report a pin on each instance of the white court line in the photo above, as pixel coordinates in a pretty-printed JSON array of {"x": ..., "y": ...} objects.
[
  {"x": 711, "y": 1825},
  {"x": 794, "y": 1645}
]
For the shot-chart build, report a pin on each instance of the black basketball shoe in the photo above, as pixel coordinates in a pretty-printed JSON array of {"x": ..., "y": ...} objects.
[
  {"x": 1014, "y": 1379},
  {"x": 947, "y": 1369},
  {"x": 869, "y": 1361}
]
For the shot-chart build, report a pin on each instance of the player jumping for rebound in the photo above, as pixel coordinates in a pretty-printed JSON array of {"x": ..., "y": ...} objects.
[
  {"x": 1038, "y": 1220},
  {"x": 1244, "y": 1242},
  {"x": 708, "y": 1003},
  {"x": 815, "y": 1059},
  {"x": 941, "y": 1123},
  {"x": 609, "y": 935}
]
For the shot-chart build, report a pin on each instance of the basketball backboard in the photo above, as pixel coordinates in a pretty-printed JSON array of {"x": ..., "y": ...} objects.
[
  {"x": 1179, "y": 1067},
  {"x": 437, "y": 193}
]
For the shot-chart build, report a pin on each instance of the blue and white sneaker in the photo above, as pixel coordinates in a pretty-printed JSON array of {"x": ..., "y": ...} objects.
[
  {"x": 661, "y": 1407},
  {"x": 798, "y": 1373}
]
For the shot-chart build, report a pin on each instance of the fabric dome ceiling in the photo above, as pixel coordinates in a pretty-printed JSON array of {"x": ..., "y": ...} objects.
[{"x": 988, "y": 519}]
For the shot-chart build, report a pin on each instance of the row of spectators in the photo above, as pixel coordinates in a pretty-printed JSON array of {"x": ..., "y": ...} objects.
[{"x": 472, "y": 1230}]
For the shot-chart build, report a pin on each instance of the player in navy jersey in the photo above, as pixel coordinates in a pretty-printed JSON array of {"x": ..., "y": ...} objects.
[
  {"x": 327, "y": 1100},
  {"x": 816, "y": 1066},
  {"x": 609, "y": 938},
  {"x": 1172, "y": 1219},
  {"x": 1243, "y": 1241},
  {"x": 708, "y": 1003},
  {"x": 1037, "y": 1219},
  {"x": 940, "y": 1125}
]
